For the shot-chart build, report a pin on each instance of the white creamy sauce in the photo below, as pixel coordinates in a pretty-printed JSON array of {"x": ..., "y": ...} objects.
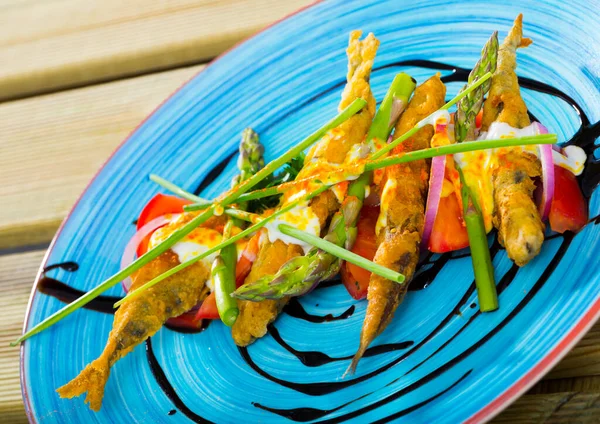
[
  {"x": 573, "y": 157},
  {"x": 301, "y": 217},
  {"x": 187, "y": 250},
  {"x": 386, "y": 196},
  {"x": 357, "y": 152},
  {"x": 441, "y": 114},
  {"x": 193, "y": 245}
]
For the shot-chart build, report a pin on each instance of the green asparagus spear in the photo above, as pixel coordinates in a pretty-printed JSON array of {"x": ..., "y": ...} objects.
[
  {"x": 251, "y": 158},
  {"x": 480, "y": 252},
  {"x": 469, "y": 106},
  {"x": 464, "y": 129},
  {"x": 223, "y": 276},
  {"x": 223, "y": 268},
  {"x": 301, "y": 273}
]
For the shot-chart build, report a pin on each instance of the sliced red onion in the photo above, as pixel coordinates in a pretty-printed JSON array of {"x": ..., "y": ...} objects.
[
  {"x": 436, "y": 182},
  {"x": 134, "y": 242},
  {"x": 547, "y": 172}
]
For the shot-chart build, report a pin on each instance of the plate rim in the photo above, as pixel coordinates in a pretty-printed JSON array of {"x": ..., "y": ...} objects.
[{"x": 537, "y": 371}]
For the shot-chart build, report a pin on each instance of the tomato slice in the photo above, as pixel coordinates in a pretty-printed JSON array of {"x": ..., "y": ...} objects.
[
  {"x": 355, "y": 278},
  {"x": 161, "y": 204},
  {"x": 187, "y": 320},
  {"x": 208, "y": 309},
  {"x": 449, "y": 232},
  {"x": 569, "y": 210}
]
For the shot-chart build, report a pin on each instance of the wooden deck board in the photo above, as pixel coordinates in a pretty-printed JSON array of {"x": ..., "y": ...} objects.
[
  {"x": 56, "y": 44},
  {"x": 52, "y": 146}
]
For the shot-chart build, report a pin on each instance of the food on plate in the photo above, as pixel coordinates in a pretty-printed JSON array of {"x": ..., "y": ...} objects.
[
  {"x": 140, "y": 318},
  {"x": 516, "y": 216},
  {"x": 333, "y": 148},
  {"x": 377, "y": 188},
  {"x": 401, "y": 218}
]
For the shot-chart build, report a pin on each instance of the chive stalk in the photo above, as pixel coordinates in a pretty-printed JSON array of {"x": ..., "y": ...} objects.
[
  {"x": 371, "y": 165},
  {"x": 341, "y": 253},
  {"x": 228, "y": 198},
  {"x": 247, "y": 232},
  {"x": 383, "y": 151},
  {"x": 168, "y": 185},
  {"x": 451, "y": 149}
]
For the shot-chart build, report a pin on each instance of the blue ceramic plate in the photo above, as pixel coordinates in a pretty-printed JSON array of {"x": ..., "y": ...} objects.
[{"x": 441, "y": 360}]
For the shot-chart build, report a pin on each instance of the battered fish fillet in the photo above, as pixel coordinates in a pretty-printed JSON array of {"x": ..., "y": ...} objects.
[
  {"x": 254, "y": 317},
  {"x": 140, "y": 318},
  {"x": 403, "y": 208},
  {"x": 516, "y": 216}
]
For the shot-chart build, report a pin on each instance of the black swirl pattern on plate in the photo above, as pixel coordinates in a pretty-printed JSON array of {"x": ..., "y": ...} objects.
[{"x": 431, "y": 266}]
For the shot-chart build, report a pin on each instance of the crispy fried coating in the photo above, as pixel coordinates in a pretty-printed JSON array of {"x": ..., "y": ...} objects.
[
  {"x": 257, "y": 315},
  {"x": 336, "y": 144},
  {"x": 140, "y": 318},
  {"x": 504, "y": 102},
  {"x": 332, "y": 148},
  {"x": 403, "y": 208},
  {"x": 520, "y": 227}
]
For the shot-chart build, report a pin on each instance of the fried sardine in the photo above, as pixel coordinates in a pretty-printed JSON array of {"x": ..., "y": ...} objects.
[
  {"x": 333, "y": 148},
  {"x": 141, "y": 317},
  {"x": 516, "y": 216},
  {"x": 401, "y": 220}
]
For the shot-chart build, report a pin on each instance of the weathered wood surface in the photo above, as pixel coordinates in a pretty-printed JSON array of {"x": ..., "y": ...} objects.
[
  {"x": 56, "y": 44},
  {"x": 52, "y": 145}
]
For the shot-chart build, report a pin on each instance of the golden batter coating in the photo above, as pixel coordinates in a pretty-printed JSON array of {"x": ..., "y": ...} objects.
[
  {"x": 520, "y": 227},
  {"x": 140, "y": 318},
  {"x": 258, "y": 315},
  {"x": 504, "y": 102},
  {"x": 516, "y": 216},
  {"x": 335, "y": 145},
  {"x": 403, "y": 208},
  {"x": 331, "y": 149}
]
